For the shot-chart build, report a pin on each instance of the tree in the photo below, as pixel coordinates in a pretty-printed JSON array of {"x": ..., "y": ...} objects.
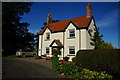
[
  {"x": 106, "y": 45},
  {"x": 36, "y": 42},
  {"x": 14, "y": 33},
  {"x": 96, "y": 39},
  {"x": 99, "y": 43}
]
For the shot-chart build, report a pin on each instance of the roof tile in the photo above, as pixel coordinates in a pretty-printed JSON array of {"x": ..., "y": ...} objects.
[{"x": 61, "y": 25}]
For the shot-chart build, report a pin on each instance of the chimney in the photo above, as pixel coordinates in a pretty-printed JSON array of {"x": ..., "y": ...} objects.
[
  {"x": 49, "y": 19},
  {"x": 88, "y": 10}
]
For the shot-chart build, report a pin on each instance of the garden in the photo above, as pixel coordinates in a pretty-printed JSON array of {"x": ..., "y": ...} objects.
[
  {"x": 92, "y": 64},
  {"x": 71, "y": 70},
  {"x": 89, "y": 64}
]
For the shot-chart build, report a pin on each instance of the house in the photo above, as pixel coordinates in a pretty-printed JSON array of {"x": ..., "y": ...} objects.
[{"x": 68, "y": 36}]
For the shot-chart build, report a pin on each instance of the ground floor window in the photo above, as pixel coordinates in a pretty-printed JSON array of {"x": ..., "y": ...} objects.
[
  {"x": 47, "y": 50},
  {"x": 71, "y": 49}
]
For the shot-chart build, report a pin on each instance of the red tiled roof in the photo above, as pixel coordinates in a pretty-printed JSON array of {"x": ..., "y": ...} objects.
[
  {"x": 57, "y": 42},
  {"x": 44, "y": 28},
  {"x": 61, "y": 25}
]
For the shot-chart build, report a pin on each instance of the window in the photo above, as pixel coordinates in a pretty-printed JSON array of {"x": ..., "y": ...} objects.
[
  {"x": 72, "y": 33},
  {"x": 90, "y": 31},
  {"x": 71, "y": 49},
  {"x": 47, "y": 50},
  {"x": 47, "y": 36}
]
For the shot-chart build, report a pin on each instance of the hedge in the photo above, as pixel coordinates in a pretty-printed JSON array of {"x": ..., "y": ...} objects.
[{"x": 108, "y": 60}]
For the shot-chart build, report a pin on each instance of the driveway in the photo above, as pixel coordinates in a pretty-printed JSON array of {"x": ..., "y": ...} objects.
[{"x": 27, "y": 68}]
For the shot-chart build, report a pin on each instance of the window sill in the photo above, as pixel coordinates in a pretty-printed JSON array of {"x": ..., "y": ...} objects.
[
  {"x": 71, "y": 55},
  {"x": 70, "y": 37},
  {"x": 47, "y": 39}
]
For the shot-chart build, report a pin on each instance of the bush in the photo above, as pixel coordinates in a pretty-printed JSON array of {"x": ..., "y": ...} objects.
[
  {"x": 73, "y": 59},
  {"x": 74, "y": 71},
  {"x": 104, "y": 60},
  {"x": 68, "y": 69},
  {"x": 48, "y": 58},
  {"x": 38, "y": 57},
  {"x": 66, "y": 58}
]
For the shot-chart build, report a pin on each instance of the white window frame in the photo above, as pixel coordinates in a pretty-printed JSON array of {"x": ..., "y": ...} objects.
[
  {"x": 47, "y": 36},
  {"x": 72, "y": 48},
  {"x": 47, "y": 49},
  {"x": 71, "y": 30}
]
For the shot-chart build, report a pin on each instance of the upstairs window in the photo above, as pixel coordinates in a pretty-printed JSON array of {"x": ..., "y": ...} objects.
[
  {"x": 72, "y": 33},
  {"x": 47, "y": 50},
  {"x": 90, "y": 32},
  {"x": 47, "y": 36},
  {"x": 72, "y": 50}
]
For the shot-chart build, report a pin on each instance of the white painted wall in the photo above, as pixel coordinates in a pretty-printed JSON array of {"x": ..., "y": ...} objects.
[
  {"x": 54, "y": 44},
  {"x": 88, "y": 37},
  {"x": 71, "y": 41},
  {"x": 39, "y": 44},
  {"x": 46, "y": 43},
  {"x": 83, "y": 39},
  {"x": 58, "y": 35}
]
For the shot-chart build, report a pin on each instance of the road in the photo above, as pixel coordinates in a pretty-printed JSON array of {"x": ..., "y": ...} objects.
[{"x": 27, "y": 68}]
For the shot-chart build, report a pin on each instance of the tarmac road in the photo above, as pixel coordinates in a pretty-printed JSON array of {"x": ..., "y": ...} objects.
[{"x": 27, "y": 68}]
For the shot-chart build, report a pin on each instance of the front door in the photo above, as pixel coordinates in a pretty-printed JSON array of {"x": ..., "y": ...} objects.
[{"x": 56, "y": 51}]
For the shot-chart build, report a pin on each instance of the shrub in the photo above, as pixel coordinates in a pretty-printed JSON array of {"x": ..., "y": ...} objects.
[
  {"x": 48, "y": 58},
  {"x": 73, "y": 59},
  {"x": 66, "y": 58},
  {"x": 74, "y": 71},
  {"x": 38, "y": 57},
  {"x": 107, "y": 60},
  {"x": 68, "y": 69}
]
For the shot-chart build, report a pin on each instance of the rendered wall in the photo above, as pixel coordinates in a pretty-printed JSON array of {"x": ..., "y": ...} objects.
[
  {"x": 88, "y": 37},
  {"x": 71, "y": 41}
]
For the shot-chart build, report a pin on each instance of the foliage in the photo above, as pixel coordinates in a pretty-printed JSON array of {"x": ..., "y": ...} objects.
[
  {"x": 105, "y": 60},
  {"x": 10, "y": 56},
  {"x": 15, "y": 33},
  {"x": 66, "y": 58},
  {"x": 74, "y": 71},
  {"x": 38, "y": 57},
  {"x": 73, "y": 59},
  {"x": 96, "y": 39},
  {"x": 98, "y": 42},
  {"x": 68, "y": 69},
  {"x": 106, "y": 45},
  {"x": 87, "y": 74}
]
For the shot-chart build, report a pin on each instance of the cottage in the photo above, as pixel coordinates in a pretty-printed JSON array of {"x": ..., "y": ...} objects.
[{"x": 68, "y": 36}]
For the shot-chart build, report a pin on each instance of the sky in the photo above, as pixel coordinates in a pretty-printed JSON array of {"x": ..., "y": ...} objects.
[{"x": 104, "y": 13}]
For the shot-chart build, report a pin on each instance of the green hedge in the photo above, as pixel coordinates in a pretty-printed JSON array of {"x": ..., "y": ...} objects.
[{"x": 108, "y": 60}]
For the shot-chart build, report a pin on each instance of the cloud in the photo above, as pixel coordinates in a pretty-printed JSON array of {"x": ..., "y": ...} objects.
[{"x": 109, "y": 19}]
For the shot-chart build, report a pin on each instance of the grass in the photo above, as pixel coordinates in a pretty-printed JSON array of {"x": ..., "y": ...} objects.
[{"x": 10, "y": 56}]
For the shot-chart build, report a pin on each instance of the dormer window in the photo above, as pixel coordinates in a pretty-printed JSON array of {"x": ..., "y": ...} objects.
[
  {"x": 71, "y": 33},
  {"x": 47, "y": 36}
]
